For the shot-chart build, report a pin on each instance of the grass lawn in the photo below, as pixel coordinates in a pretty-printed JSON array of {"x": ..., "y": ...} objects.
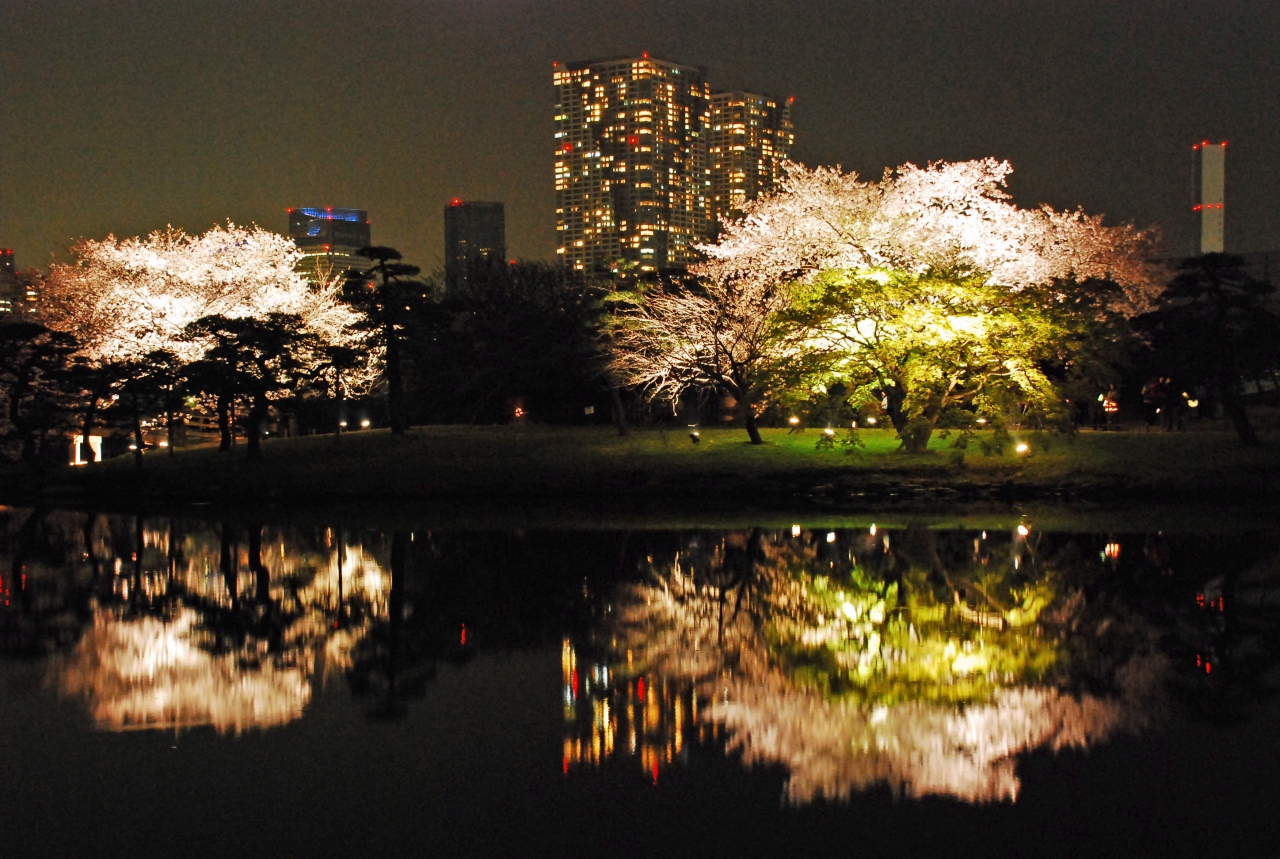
[{"x": 541, "y": 462}]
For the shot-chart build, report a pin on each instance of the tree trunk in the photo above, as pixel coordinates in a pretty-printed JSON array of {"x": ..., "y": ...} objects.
[
  {"x": 619, "y": 414},
  {"x": 342, "y": 407},
  {"x": 753, "y": 429},
  {"x": 137, "y": 435},
  {"x": 395, "y": 383},
  {"x": 253, "y": 428},
  {"x": 914, "y": 434},
  {"x": 224, "y": 422},
  {"x": 1239, "y": 417}
]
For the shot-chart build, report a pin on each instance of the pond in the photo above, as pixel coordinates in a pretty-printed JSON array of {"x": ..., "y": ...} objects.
[{"x": 299, "y": 686}]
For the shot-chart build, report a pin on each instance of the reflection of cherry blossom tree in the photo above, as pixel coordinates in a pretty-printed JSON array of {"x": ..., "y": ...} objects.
[
  {"x": 849, "y": 679},
  {"x": 145, "y": 672},
  {"x": 170, "y": 645}
]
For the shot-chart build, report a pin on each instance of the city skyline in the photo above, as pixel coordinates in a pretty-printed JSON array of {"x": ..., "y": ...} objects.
[{"x": 121, "y": 120}]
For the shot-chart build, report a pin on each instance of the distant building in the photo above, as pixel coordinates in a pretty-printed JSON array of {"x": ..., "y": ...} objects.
[
  {"x": 1211, "y": 185},
  {"x": 474, "y": 234},
  {"x": 329, "y": 239},
  {"x": 16, "y": 291},
  {"x": 631, "y": 177},
  {"x": 749, "y": 137}
]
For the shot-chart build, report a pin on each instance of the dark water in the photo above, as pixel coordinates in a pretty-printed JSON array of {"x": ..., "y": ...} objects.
[{"x": 208, "y": 688}]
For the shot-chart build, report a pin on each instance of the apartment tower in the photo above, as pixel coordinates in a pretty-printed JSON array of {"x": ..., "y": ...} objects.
[
  {"x": 749, "y": 137},
  {"x": 631, "y": 176}
]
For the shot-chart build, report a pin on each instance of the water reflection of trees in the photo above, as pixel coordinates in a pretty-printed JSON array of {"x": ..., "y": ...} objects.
[
  {"x": 923, "y": 659},
  {"x": 155, "y": 623}
]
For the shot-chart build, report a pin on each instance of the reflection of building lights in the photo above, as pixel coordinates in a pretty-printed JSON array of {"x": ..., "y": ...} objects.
[
  {"x": 1111, "y": 551},
  {"x": 164, "y": 444}
]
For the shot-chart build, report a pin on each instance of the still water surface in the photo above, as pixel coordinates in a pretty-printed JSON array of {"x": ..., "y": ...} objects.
[{"x": 205, "y": 688}]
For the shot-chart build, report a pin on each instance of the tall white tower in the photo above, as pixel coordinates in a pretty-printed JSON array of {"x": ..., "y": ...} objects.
[{"x": 1211, "y": 165}]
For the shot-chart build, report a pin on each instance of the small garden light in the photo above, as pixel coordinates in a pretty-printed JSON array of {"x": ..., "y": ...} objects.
[
  {"x": 794, "y": 421},
  {"x": 831, "y": 536},
  {"x": 342, "y": 424},
  {"x": 982, "y": 420},
  {"x": 795, "y": 530},
  {"x": 828, "y": 432},
  {"x": 695, "y": 437},
  {"x": 871, "y": 422},
  {"x": 1023, "y": 530},
  {"x": 364, "y": 424},
  {"x": 1022, "y": 447}
]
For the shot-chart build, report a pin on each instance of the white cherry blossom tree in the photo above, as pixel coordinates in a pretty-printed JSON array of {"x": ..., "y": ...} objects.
[
  {"x": 955, "y": 247},
  {"x": 124, "y": 298}
]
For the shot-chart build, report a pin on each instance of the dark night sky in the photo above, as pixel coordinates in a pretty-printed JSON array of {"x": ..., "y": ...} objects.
[{"x": 124, "y": 116}]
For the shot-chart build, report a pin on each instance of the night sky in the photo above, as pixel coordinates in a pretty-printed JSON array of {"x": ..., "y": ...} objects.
[{"x": 120, "y": 117}]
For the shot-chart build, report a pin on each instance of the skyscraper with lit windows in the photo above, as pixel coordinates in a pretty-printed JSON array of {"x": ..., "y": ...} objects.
[
  {"x": 631, "y": 178},
  {"x": 748, "y": 138}
]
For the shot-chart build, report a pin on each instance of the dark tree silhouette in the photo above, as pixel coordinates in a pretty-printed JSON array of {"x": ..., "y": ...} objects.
[
  {"x": 388, "y": 293},
  {"x": 1215, "y": 327},
  {"x": 259, "y": 359},
  {"x": 35, "y": 384}
]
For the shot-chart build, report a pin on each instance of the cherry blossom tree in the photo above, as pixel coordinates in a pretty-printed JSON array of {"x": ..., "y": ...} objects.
[
  {"x": 123, "y": 298},
  {"x": 964, "y": 264}
]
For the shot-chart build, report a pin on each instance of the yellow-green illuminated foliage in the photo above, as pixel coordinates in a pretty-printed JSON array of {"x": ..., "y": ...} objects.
[
  {"x": 927, "y": 291},
  {"x": 852, "y": 665}
]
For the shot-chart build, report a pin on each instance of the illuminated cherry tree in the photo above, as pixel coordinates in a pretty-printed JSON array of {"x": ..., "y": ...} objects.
[
  {"x": 833, "y": 278},
  {"x": 124, "y": 298}
]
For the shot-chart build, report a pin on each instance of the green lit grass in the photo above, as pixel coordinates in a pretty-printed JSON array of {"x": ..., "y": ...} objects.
[{"x": 540, "y": 462}]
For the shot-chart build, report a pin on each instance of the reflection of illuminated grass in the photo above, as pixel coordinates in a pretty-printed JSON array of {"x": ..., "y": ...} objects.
[{"x": 484, "y": 460}]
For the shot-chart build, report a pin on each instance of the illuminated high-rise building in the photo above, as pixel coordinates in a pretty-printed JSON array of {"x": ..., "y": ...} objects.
[
  {"x": 748, "y": 138},
  {"x": 15, "y": 289},
  {"x": 328, "y": 239},
  {"x": 474, "y": 234},
  {"x": 631, "y": 178},
  {"x": 1211, "y": 170},
  {"x": 10, "y": 289}
]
